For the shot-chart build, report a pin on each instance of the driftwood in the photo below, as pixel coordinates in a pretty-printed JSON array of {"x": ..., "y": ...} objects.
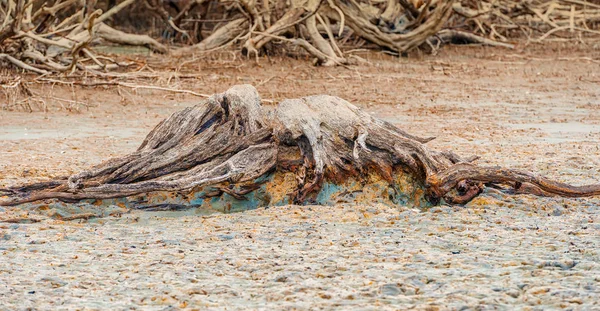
[{"x": 230, "y": 147}]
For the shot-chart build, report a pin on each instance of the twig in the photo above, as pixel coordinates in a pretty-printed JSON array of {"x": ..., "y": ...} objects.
[
  {"x": 79, "y": 216},
  {"x": 71, "y": 101},
  {"x": 124, "y": 84},
  {"x": 152, "y": 87},
  {"x": 568, "y": 59},
  {"x": 20, "y": 220}
]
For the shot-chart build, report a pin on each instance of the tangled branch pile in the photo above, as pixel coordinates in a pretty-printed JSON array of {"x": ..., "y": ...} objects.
[
  {"x": 536, "y": 20},
  {"x": 58, "y": 36}
]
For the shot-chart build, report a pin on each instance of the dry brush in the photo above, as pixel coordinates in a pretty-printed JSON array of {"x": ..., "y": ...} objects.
[{"x": 59, "y": 36}]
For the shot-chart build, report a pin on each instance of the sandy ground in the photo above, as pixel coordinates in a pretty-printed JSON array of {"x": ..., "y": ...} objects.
[{"x": 537, "y": 110}]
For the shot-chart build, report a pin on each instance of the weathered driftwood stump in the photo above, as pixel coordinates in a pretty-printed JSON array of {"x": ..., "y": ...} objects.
[{"x": 231, "y": 153}]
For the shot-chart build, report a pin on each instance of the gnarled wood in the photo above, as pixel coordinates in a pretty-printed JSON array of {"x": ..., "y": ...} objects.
[{"x": 231, "y": 147}]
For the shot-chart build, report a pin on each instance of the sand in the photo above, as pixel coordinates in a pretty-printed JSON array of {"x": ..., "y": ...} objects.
[{"x": 526, "y": 110}]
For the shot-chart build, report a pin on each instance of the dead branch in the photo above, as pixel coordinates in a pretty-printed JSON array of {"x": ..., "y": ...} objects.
[
  {"x": 125, "y": 84},
  {"x": 22, "y": 65},
  {"x": 116, "y": 36},
  {"x": 221, "y": 37},
  {"x": 461, "y": 37}
]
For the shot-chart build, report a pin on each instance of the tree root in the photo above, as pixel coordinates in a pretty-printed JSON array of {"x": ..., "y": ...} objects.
[{"x": 230, "y": 142}]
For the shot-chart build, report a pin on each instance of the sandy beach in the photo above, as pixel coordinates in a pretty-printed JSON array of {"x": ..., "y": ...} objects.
[{"x": 525, "y": 110}]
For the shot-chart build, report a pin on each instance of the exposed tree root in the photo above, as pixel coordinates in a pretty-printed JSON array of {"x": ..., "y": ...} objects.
[{"x": 230, "y": 143}]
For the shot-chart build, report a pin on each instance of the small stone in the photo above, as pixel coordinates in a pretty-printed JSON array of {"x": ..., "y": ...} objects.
[
  {"x": 557, "y": 210},
  {"x": 54, "y": 281},
  {"x": 513, "y": 293},
  {"x": 226, "y": 237},
  {"x": 325, "y": 296},
  {"x": 390, "y": 290},
  {"x": 281, "y": 278},
  {"x": 435, "y": 209},
  {"x": 564, "y": 265}
]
